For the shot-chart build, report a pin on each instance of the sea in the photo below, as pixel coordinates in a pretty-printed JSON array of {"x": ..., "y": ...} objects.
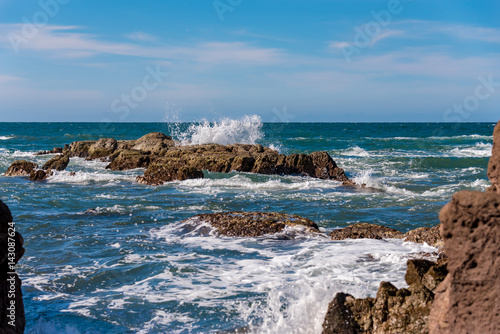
[{"x": 105, "y": 254}]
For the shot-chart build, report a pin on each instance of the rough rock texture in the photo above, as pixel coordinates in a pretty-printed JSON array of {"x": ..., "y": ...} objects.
[
  {"x": 10, "y": 282},
  {"x": 468, "y": 300},
  {"x": 55, "y": 150},
  {"x": 166, "y": 162},
  {"x": 365, "y": 230},
  {"x": 252, "y": 224},
  {"x": 429, "y": 235},
  {"x": 21, "y": 168},
  {"x": 393, "y": 310},
  {"x": 494, "y": 163},
  {"x": 59, "y": 162}
]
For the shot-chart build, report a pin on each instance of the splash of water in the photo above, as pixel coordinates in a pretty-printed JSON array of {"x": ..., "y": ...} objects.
[{"x": 227, "y": 131}]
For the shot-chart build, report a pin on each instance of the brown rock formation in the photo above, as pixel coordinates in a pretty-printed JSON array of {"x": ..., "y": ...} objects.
[
  {"x": 166, "y": 162},
  {"x": 467, "y": 301},
  {"x": 59, "y": 162},
  {"x": 12, "y": 317},
  {"x": 429, "y": 235},
  {"x": 21, "y": 168},
  {"x": 252, "y": 224},
  {"x": 393, "y": 310},
  {"x": 494, "y": 163},
  {"x": 365, "y": 230}
]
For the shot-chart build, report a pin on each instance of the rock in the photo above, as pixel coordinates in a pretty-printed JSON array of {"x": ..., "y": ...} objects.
[
  {"x": 157, "y": 174},
  {"x": 39, "y": 175},
  {"x": 169, "y": 162},
  {"x": 467, "y": 300},
  {"x": 431, "y": 236},
  {"x": 59, "y": 162},
  {"x": 154, "y": 143},
  {"x": 252, "y": 224},
  {"x": 393, "y": 310},
  {"x": 21, "y": 168},
  {"x": 102, "y": 148},
  {"x": 9, "y": 280},
  {"x": 55, "y": 150},
  {"x": 129, "y": 159},
  {"x": 365, "y": 230},
  {"x": 494, "y": 163}
]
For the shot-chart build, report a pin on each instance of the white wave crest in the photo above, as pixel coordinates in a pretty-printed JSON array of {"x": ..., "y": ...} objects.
[
  {"x": 478, "y": 150},
  {"x": 6, "y": 137},
  {"x": 225, "y": 132},
  {"x": 87, "y": 177},
  {"x": 356, "y": 151}
]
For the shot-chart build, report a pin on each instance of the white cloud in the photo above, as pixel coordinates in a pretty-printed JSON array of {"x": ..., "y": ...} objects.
[
  {"x": 140, "y": 36},
  {"x": 62, "y": 41}
]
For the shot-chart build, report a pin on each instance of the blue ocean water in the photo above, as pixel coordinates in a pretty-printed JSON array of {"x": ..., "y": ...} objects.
[{"x": 105, "y": 254}]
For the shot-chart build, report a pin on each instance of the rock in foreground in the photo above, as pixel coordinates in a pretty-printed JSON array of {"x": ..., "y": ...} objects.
[
  {"x": 252, "y": 224},
  {"x": 468, "y": 300},
  {"x": 21, "y": 168},
  {"x": 365, "y": 230},
  {"x": 12, "y": 318},
  {"x": 393, "y": 310}
]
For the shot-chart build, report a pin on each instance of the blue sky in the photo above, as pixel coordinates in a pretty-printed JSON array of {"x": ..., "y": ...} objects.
[{"x": 300, "y": 61}]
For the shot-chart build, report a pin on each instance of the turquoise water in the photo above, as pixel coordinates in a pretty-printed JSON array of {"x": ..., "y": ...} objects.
[{"x": 129, "y": 266}]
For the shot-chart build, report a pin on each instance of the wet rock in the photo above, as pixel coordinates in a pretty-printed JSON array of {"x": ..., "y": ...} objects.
[
  {"x": 157, "y": 174},
  {"x": 431, "y": 236},
  {"x": 393, "y": 310},
  {"x": 9, "y": 280},
  {"x": 21, "y": 168},
  {"x": 129, "y": 159},
  {"x": 494, "y": 163},
  {"x": 39, "y": 175},
  {"x": 467, "y": 300},
  {"x": 102, "y": 148},
  {"x": 365, "y": 230},
  {"x": 79, "y": 149},
  {"x": 252, "y": 224},
  {"x": 55, "y": 150},
  {"x": 59, "y": 162}
]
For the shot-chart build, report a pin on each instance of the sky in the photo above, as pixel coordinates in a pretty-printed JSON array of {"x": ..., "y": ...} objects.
[{"x": 286, "y": 61}]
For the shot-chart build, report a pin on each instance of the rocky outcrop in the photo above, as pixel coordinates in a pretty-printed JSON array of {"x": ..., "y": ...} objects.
[
  {"x": 166, "y": 162},
  {"x": 467, "y": 301},
  {"x": 21, "y": 168},
  {"x": 12, "y": 317},
  {"x": 393, "y": 310},
  {"x": 429, "y": 235},
  {"x": 494, "y": 163},
  {"x": 365, "y": 230},
  {"x": 252, "y": 224},
  {"x": 55, "y": 150},
  {"x": 59, "y": 162}
]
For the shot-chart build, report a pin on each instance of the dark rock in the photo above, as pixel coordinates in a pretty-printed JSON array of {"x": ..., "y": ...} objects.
[
  {"x": 21, "y": 168},
  {"x": 467, "y": 300},
  {"x": 431, "y": 236},
  {"x": 79, "y": 149},
  {"x": 494, "y": 163},
  {"x": 39, "y": 175},
  {"x": 55, "y": 150},
  {"x": 392, "y": 311},
  {"x": 11, "y": 322},
  {"x": 365, "y": 230},
  {"x": 129, "y": 159},
  {"x": 157, "y": 174},
  {"x": 252, "y": 224},
  {"x": 59, "y": 162}
]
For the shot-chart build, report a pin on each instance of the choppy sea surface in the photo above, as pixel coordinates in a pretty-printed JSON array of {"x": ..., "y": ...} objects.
[{"x": 128, "y": 265}]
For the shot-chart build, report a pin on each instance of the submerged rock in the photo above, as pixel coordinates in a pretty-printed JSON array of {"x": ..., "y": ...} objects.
[
  {"x": 12, "y": 318},
  {"x": 365, "y": 230},
  {"x": 393, "y": 310},
  {"x": 21, "y": 168},
  {"x": 252, "y": 224}
]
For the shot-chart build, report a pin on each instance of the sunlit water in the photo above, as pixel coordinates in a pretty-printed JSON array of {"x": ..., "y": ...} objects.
[{"x": 129, "y": 266}]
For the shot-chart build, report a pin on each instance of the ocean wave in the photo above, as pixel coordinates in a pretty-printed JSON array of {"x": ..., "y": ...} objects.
[
  {"x": 88, "y": 177},
  {"x": 478, "y": 150},
  {"x": 355, "y": 151},
  {"x": 227, "y": 131},
  {"x": 6, "y": 137}
]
